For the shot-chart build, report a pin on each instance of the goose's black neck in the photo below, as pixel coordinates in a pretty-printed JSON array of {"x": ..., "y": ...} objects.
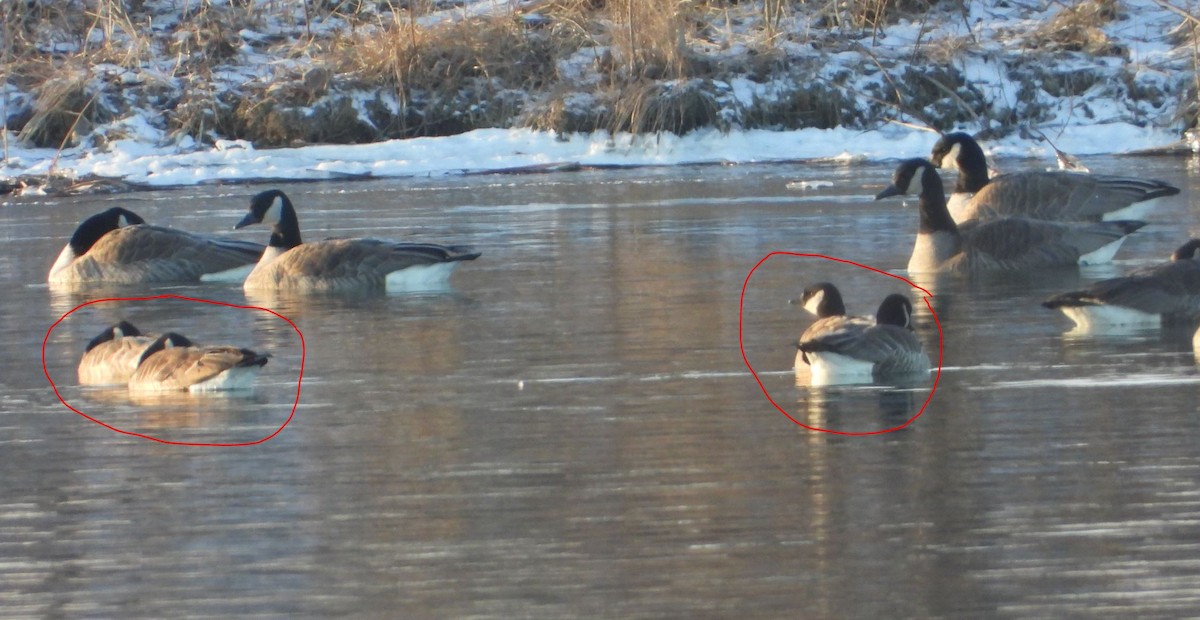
[
  {"x": 1187, "y": 251},
  {"x": 895, "y": 310},
  {"x": 972, "y": 165},
  {"x": 935, "y": 215},
  {"x": 286, "y": 232}
]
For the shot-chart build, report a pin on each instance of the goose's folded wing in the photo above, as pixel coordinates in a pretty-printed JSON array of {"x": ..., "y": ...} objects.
[
  {"x": 1031, "y": 242},
  {"x": 112, "y": 361},
  {"x": 185, "y": 366},
  {"x": 212, "y": 361},
  {"x": 835, "y": 326},
  {"x": 877, "y": 343},
  {"x": 1172, "y": 288},
  {"x": 364, "y": 259},
  {"x": 1062, "y": 196},
  {"x": 133, "y": 244}
]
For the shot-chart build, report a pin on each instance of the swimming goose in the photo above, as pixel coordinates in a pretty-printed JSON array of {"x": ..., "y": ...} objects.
[
  {"x": 1044, "y": 195},
  {"x": 341, "y": 264},
  {"x": 995, "y": 245},
  {"x": 824, "y": 301},
  {"x": 117, "y": 246},
  {"x": 859, "y": 349},
  {"x": 173, "y": 363},
  {"x": 111, "y": 357},
  {"x": 1148, "y": 297}
]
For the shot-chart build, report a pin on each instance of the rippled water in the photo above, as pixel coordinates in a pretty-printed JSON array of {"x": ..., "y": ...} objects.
[{"x": 571, "y": 431}]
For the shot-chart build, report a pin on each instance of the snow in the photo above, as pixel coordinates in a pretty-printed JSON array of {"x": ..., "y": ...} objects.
[{"x": 136, "y": 160}]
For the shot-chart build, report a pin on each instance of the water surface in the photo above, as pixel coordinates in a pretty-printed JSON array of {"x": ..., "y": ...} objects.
[{"x": 571, "y": 431}]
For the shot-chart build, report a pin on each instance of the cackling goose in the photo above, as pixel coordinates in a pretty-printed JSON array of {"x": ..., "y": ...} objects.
[
  {"x": 111, "y": 357},
  {"x": 174, "y": 363},
  {"x": 1044, "y": 195},
  {"x": 341, "y": 264},
  {"x": 859, "y": 349},
  {"x": 118, "y": 247},
  {"x": 1001, "y": 244},
  {"x": 1148, "y": 297}
]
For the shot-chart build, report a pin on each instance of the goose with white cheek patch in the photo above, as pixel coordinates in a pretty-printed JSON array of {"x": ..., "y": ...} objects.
[
  {"x": 824, "y": 301},
  {"x": 1045, "y": 195},
  {"x": 861, "y": 350},
  {"x": 1005, "y": 244},
  {"x": 335, "y": 265},
  {"x": 174, "y": 363},
  {"x": 1168, "y": 293},
  {"x": 117, "y": 246},
  {"x": 112, "y": 356}
]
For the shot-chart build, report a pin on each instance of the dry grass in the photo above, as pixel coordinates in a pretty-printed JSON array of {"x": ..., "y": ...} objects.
[
  {"x": 65, "y": 107},
  {"x": 208, "y": 33},
  {"x": 452, "y": 66},
  {"x": 389, "y": 75},
  {"x": 1076, "y": 28},
  {"x": 650, "y": 39},
  {"x": 655, "y": 107}
]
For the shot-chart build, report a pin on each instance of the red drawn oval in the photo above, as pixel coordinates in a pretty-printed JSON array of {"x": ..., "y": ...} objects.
[
  {"x": 742, "y": 345},
  {"x": 299, "y": 381}
]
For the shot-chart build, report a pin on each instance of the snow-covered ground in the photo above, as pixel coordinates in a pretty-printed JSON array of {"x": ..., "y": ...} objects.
[
  {"x": 1134, "y": 102},
  {"x": 138, "y": 160}
]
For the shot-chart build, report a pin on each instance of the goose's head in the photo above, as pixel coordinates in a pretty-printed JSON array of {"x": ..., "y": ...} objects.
[
  {"x": 912, "y": 176},
  {"x": 115, "y": 332},
  {"x": 895, "y": 310},
  {"x": 269, "y": 207},
  {"x": 957, "y": 150},
  {"x": 166, "y": 341},
  {"x": 93, "y": 228},
  {"x": 273, "y": 208},
  {"x": 822, "y": 299}
]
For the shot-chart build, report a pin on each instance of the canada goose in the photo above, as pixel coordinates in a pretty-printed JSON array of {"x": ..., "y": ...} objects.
[
  {"x": 1044, "y": 195},
  {"x": 341, "y": 264},
  {"x": 172, "y": 362},
  {"x": 859, "y": 349},
  {"x": 117, "y": 246},
  {"x": 111, "y": 357},
  {"x": 1148, "y": 297},
  {"x": 1001, "y": 244}
]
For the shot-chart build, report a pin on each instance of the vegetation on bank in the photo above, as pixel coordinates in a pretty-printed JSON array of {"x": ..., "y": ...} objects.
[{"x": 279, "y": 73}]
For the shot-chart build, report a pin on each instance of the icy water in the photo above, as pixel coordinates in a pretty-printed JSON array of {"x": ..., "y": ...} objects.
[{"x": 571, "y": 429}]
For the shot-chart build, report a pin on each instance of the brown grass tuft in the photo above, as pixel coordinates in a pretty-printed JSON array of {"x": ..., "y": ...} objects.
[
  {"x": 654, "y": 107},
  {"x": 65, "y": 107},
  {"x": 650, "y": 39},
  {"x": 1076, "y": 28}
]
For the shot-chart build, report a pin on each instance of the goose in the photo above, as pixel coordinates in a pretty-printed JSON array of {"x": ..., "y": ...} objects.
[
  {"x": 341, "y": 264},
  {"x": 996, "y": 245},
  {"x": 824, "y": 301},
  {"x": 116, "y": 246},
  {"x": 859, "y": 349},
  {"x": 173, "y": 363},
  {"x": 1149, "y": 297},
  {"x": 111, "y": 357},
  {"x": 1044, "y": 195}
]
